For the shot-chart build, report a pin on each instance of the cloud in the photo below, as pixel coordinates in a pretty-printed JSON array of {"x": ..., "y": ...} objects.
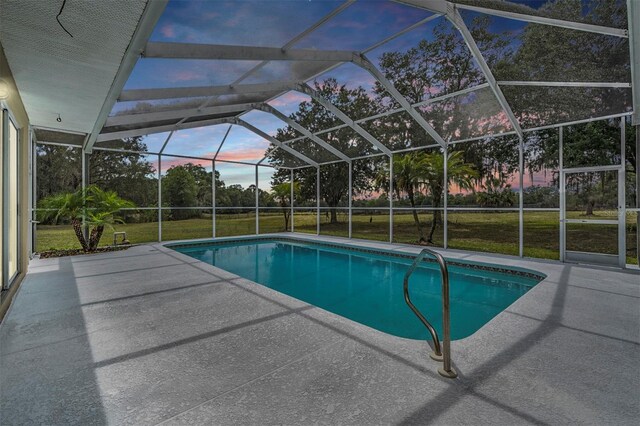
[
  {"x": 289, "y": 98},
  {"x": 168, "y": 31},
  {"x": 185, "y": 75},
  {"x": 246, "y": 154}
]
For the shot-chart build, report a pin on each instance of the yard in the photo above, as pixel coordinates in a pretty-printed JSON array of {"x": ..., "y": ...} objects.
[{"x": 495, "y": 232}]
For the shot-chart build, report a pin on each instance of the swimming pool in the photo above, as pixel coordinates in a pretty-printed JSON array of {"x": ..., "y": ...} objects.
[{"x": 365, "y": 285}]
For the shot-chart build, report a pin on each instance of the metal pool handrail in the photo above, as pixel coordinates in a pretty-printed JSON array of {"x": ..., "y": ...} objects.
[{"x": 438, "y": 354}]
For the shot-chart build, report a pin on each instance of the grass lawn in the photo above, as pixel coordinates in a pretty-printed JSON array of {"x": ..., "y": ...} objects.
[{"x": 486, "y": 232}]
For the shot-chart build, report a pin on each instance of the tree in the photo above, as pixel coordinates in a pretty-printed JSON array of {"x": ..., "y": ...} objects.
[
  {"x": 497, "y": 193},
  {"x": 408, "y": 176},
  {"x": 129, "y": 173},
  {"x": 459, "y": 173},
  {"x": 435, "y": 67},
  {"x": 334, "y": 178},
  {"x": 282, "y": 194},
  {"x": 592, "y": 144},
  {"x": 93, "y": 206},
  {"x": 179, "y": 189},
  {"x": 549, "y": 53},
  {"x": 419, "y": 171},
  {"x": 59, "y": 170}
]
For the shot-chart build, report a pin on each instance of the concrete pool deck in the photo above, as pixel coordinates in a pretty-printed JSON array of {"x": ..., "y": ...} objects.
[{"x": 149, "y": 336}]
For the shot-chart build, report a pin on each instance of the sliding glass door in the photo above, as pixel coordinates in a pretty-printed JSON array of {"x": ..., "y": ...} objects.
[{"x": 10, "y": 191}]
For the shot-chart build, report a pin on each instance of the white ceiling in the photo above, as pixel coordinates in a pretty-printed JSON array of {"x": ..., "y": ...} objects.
[{"x": 59, "y": 74}]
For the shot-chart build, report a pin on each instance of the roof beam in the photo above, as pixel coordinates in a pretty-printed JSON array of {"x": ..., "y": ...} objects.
[
  {"x": 366, "y": 64},
  {"x": 166, "y": 141},
  {"x": 270, "y": 110},
  {"x": 394, "y": 111},
  {"x": 241, "y": 53},
  {"x": 119, "y": 120},
  {"x": 199, "y": 91},
  {"x": 160, "y": 129},
  {"x": 456, "y": 19},
  {"x": 147, "y": 23},
  {"x": 580, "y": 26},
  {"x": 596, "y": 84},
  {"x": 305, "y": 88},
  {"x": 445, "y": 7},
  {"x": 223, "y": 141},
  {"x": 275, "y": 141},
  {"x": 290, "y": 43}
]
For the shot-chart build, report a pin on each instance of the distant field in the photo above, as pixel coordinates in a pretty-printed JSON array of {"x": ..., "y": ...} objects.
[{"x": 487, "y": 232}]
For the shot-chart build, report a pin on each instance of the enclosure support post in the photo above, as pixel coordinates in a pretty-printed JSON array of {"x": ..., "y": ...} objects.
[
  {"x": 637, "y": 128},
  {"x": 521, "y": 197},
  {"x": 622, "y": 203},
  {"x": 213, "y": 198},
  {"x": 291, "y": 186},
  {"x": 4, "y": 209},
  {"x": 350, "y": 195},
  {"x": 257, "y": 204},
  {"x": 445, "y": 202},
  {"x": 561, "y": 189},
  {"x": 159, "y": 197},
  {"x": 85, "y": 181},
  {"x": 318, "y": 201},
  {"x": 390, "y": 198},
  {"x": 33, "y": 198}
]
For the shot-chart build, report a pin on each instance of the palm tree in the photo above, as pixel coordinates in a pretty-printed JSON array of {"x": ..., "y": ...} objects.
[
  {"x": 418, "y": 171},
  {"x": 93, "y": 206},
  {"x": 459, "y": 173}
]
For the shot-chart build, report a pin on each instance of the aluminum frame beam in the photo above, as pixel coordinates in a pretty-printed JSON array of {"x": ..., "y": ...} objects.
[
  {"x": 150, "y": 17},
  {"x": 565, "y": 84},
  {"x": 366, "y": 64},
  {"x": 394, "y": 111},
  {"x": 308, "y": 90},
  {"x": 456, "y": 19},
  {"x": 440, "y": 6},
  {"x": 580, "y": 26},
  {"x": 633, "y": 14},
  {"x": 202, "y": 91},
  {"x": 242, "y": 53},
  {"x": 223, "y": 141},
  {"x": 119, "y": 120},
  {"x": 275, "y": 141},
  {"x": 293, "y": 41},
  {"x": 161, "y": 129},
  {"x": 271, "y": 110}
]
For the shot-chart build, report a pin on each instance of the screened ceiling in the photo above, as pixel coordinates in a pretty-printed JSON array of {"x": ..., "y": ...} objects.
[{"x": 301, "y": 83}]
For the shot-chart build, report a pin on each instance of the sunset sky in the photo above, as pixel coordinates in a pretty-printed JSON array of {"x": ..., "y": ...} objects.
[{"x": 272, "y": 23}]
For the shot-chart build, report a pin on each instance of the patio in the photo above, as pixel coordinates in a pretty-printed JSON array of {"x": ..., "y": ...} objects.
[
  {"x": 111, "y": 338},
  {"x": 504, "y": 132}
]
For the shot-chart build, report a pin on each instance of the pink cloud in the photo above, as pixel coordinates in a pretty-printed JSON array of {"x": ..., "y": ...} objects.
[
  {"x": 168, "y": 31},
  {"x": 288, "y": 98},
  {"x": 248, "y": 154},
  {"x": 185, "y": 75}
]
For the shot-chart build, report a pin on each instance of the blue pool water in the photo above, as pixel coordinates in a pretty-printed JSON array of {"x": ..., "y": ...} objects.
[{"x": 366, "y": 287}]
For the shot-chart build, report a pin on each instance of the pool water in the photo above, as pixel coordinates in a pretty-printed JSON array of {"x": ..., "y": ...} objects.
[{"x": 367, "y": 287}]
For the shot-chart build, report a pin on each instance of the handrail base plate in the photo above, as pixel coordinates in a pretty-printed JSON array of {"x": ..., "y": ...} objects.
[
  {"x": 434, "y": 356},
  {"x": 448, "y": 374}
]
